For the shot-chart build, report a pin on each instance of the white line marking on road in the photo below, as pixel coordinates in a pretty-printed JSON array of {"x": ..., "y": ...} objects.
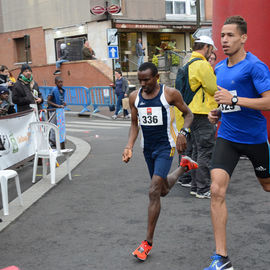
[
  {"x": 103, "y": 123},
  {"x": 82, "y": 130}
]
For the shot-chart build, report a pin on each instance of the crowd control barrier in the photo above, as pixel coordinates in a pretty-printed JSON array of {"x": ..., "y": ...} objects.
[
  {"x": 45, "y": 90},
  {"x": 75, "y": 95},
  {"x": 102, "y": 96},
  {"x": 78, "y": 95},
  {"x": 82, "y": 96}
]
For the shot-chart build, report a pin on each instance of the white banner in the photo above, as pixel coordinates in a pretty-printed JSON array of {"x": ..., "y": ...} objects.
[{"x": 15, "y": 142}]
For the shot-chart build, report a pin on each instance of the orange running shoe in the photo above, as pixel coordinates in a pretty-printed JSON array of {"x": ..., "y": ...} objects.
[
  {"x": 188, "y": 163},
  {"x": 142, "y": 251}
]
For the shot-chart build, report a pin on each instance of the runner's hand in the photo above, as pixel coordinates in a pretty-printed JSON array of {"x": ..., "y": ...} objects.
[
  {"x": 181, "y": 143},
  {"x": 214, "y": 116},
  {"x": 223, "y": 96},
  {"x": 127, "y": 154}
]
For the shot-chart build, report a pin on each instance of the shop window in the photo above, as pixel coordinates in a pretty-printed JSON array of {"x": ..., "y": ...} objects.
[
  {"x": 127, "y": 49},
  {"x": 115, "y": 2},
  {"x": 74, "y": 47},
  {"x": 21, "y": 51}
]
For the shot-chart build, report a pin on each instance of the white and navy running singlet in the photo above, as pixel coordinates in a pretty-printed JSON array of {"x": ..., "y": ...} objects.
[{"x": 157, "y": 121}]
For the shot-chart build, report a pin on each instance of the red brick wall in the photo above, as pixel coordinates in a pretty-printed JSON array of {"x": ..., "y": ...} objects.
[
  {"x": 8, "y": 54},
  {"x": 77, "y": 73}
]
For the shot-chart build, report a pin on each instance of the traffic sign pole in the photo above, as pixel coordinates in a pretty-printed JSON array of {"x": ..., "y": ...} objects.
[
  {"x": 112, "y": 42},
  {"x": 113, "y": 65}
]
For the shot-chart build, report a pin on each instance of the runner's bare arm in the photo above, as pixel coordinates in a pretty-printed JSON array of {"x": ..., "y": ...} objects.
[
  {"x": 134, "y": 129},
  {"x": 223, "y": 96},
  {"x": 175, "y": 98}
]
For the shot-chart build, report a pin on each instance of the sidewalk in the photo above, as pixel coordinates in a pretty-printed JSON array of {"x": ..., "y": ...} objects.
[
  {"x": 41, "y": 187},
  {"x": 36, "y": 191}
]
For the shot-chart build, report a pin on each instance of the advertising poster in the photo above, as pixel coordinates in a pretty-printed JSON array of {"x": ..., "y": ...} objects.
[{"x": 15, "y": 139}]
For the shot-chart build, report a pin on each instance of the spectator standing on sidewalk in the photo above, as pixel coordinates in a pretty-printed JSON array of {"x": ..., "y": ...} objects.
[
  {"x": 11, "y": 77},
  {"x": 5, "y": 106},
  {"x": 201, "y": 75},
  {"x": 140, "y": 51},
  {"x": 56, "y": 99},
  {"x": 212, "y": 59},
  {"x": 62, "y": 59},
  {"x": 26, "y": 91},
  {"x": 4, "y": 77},
  {"x": 121, "y": 90},
  {"x": 6, "y": 81}
]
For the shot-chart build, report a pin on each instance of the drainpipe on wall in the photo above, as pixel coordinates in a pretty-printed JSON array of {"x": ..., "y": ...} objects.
[{"x": 198, "y": 13}]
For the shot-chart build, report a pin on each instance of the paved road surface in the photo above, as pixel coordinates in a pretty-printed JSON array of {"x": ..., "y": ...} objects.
[{"x": 95, "y": 221}]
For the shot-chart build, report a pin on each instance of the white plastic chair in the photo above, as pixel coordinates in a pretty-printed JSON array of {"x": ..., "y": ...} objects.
[
  {"x": 5, "y": 175},
  {"x": 40, "y": 133}
]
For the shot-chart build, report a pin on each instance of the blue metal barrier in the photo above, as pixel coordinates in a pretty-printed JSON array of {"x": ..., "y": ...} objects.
[
  {"x": 78, "y": 95},
  {"x": 45, "y": 90},
  {"x": 82, "y": 96},
  {"x": 75, "y": 95},
  {"x": 102, "y": 96}
]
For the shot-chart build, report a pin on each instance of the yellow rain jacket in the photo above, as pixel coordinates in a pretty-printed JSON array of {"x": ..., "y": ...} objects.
[{"x": 200, "y": 73}]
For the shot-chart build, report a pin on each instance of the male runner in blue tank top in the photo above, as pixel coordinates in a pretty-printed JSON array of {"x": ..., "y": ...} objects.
[
  {"x": 152, "y": 106},
  {"x": 244, "y": 83}
]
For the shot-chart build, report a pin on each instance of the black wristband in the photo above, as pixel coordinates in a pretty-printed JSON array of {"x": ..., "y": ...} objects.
[{"x": 184, "y": 131}]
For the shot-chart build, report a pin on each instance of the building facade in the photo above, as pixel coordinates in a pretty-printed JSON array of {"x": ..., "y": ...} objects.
[{"x": 49, "y": 23}]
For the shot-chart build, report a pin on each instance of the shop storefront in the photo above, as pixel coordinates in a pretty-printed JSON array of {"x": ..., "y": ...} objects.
[{"x": 152, "y": 37}]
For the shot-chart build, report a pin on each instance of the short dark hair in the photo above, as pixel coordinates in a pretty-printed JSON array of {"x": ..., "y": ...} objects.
[
  {"x": 239, "y": 21},
  {"x": 119, "y": 71},
  {"x": 57, "y": 79},
  {"x": 149, "y": 65},
  {"x": 199, "y": 46},
  {"x": 2, "y": 68}
]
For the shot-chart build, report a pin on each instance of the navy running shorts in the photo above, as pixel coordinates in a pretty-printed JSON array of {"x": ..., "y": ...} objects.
[
  {"x": 227, "y": 154},
  {"x": 159, "y": 161}
]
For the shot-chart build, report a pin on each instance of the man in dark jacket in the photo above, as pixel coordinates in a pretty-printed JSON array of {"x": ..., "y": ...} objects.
[
  {"x": 121, "y": 90},
  {"x": 5, "y": 106},
  {"x": 5, "y": 81},
  {"x": 26, "y": 90},
  {"x": 87, "y": 52}
]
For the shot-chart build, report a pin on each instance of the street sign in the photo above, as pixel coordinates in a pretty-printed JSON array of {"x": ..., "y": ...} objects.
[
  {"x": 113, "y": 52},
  {"x": 112, "y": 38},
  {"x": 98, "y": 10},
  {"x": 114, "y": 9}
]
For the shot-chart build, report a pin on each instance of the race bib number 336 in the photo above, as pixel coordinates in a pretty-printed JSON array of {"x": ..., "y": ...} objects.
[{"x": 150, "y": 116}]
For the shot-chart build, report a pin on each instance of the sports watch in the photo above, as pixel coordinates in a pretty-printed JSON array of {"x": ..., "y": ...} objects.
[
  {"x": 184, "y": 131},
  {"x": 234, "y": 100}
]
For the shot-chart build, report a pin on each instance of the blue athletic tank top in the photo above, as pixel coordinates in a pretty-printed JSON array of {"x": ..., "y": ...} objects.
[{"x": 157, "y": 121}]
